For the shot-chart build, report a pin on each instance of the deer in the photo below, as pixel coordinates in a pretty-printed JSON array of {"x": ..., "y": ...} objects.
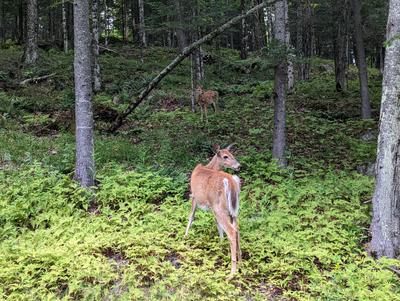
[
  {"x": 212, "y": 188},
  {"x": 204, "y": 98}
]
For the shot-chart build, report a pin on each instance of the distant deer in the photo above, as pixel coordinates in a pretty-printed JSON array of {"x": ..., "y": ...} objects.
[
  {"x": 219, "y": 191},
  {"x": 204, "y": 98}
]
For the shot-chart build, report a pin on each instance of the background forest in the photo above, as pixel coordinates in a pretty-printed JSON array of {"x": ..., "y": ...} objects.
[{"x": 102, "y": 94}]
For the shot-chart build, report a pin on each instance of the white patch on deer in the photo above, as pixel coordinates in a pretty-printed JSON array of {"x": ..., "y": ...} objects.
[{"x": 233, "y": 211}]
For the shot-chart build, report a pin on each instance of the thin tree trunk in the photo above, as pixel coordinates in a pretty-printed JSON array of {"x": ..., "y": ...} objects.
[
  {"x": 142, "y": 31},
  {"x": 2, "y": 23},
  {"x": 84, "y": 168},
  {"x": 125, "y": 27},
  {"x": 279, "y": 139},
  {"x": 95, "y": 46},
  {"x": 340, "y": 46},
  {"x": 243, "y": 32},
  {"x": 133, "y": 23},
  {"x": 362, "y": 66},
  {"x": 31, "y": 46},
  {"x": 106, "y": 28},
  {"x": 290, "y": 57},
  {"x": 385, "y": 227},
  {"x": 187, "y": 51},
  {"x": 64, "y": 26}
]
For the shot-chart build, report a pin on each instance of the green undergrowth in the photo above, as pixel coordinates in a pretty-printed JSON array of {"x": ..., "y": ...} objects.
[
  {"x": 301, "y": 239},
  {"x": 304, "y": 230}
]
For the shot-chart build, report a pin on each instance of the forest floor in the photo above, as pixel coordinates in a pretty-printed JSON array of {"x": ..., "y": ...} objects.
[{"x": 304, "y": 230}]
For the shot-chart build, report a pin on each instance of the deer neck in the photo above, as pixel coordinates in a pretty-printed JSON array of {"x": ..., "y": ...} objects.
[{"x": 214, "y": 163}]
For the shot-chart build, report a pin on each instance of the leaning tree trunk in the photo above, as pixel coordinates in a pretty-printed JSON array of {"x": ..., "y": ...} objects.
[
  {"x": 385, "y": 227},
  {"x": 31, "y": 45},
  {"x": 64, "y": 25},
  {"x": 95, "y": 46},
  {"x": 362, "y": 66},
  {"x": 340, "y": 45},
  {"x": 280, "y": 85},
  {"x": 84, "y": 168}
]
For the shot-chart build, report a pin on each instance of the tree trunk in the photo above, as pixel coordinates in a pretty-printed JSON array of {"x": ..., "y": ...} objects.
[
  {"x": 95, "y": 46},
  {"x": 385, "y": 227},
  {"x": 179, "y": 31},
  {"x": 142, "y": 31},
  {"x": 106, "y": 28},
  {"x": 290, "y": 58},
  {"x": 243, "y": 32},
  {"x": 84, "y": 168},
  {"x": 340, "y": 46},
  {"x": 125, "y": 26},
  {"x": 259, "y": 36},
  {"x": 2, "y": 23},
  {"x": 362, "y": 66},
  {"x": 64, "y": 26},
  {"x": 31, "y": 45},
  {"x": 133, "y": 22},
  {"x": 280, "y": 32}
]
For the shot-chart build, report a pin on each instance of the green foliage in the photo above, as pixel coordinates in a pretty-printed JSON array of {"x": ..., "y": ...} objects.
[
  {"x": 303, "y": 237},
  {"x": 303, "y": 229}
]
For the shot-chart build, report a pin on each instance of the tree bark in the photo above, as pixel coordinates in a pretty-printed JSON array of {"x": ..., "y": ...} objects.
[
  {"x": 280, "y": 85},
  {"x": 95, "y": 46},
  {"x": 385, "y": 227},
  {"x": 362, "y": 66},
  {"x": 84, "y": 168},
  {"x": 243, "y": 32},
  {"x": 187, "y": 51},
  {"x": 64, "y": 26},
  {"x": 142, "y": 31},
  {"x": 179, "y": 31},
  {"x": 125, "y": 27},
  {"x": 31, "y": 45},
  {"x": 340, "y": 45}
]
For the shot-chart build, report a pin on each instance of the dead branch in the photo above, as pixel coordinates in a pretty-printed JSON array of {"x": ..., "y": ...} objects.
[{"x": 36, "y": 79}]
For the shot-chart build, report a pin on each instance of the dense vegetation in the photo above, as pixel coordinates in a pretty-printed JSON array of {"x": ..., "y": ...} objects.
[{"x": 304, "y": 229}]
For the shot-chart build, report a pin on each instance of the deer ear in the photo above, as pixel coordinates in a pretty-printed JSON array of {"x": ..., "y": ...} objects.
[
  {"x": 216, "y": 148},
  {"x": 229, "y": 147}
]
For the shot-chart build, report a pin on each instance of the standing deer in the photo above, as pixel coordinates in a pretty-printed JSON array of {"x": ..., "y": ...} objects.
[
  {"x": 204, "y": 98},
  {"x": 219, "y": 191}
]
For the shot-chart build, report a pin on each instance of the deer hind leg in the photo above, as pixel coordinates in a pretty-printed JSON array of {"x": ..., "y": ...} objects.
[
  {"x": 214, "y": 105},
  {"x": 236, "y": 226},
  {"x": 191, "y": 216},
  {"x": 224, "y": 222},
  {"x": 205, "y": 113},
  {"x": 220, "y": 232}
]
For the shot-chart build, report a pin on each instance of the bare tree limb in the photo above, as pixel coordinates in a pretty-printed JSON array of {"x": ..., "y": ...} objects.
[
  {"x": 111, "y": 50},
  {"x": 36, "y": 79},
  {"x": 185, "y": 52}
]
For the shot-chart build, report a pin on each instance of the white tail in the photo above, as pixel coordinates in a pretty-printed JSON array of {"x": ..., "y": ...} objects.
[{"x": 219, "y": 191}]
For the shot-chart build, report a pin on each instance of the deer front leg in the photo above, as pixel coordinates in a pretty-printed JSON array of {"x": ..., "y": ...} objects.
[
  {"x": 191, "y": 216},
  {"x": 202, "y": 116}
]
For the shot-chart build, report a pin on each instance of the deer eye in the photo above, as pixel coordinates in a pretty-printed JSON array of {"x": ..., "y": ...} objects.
[{"x": 225, "y": 157}]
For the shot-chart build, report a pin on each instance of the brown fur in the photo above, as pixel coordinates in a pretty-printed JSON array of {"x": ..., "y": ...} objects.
[{"x": 205, "y": 98}]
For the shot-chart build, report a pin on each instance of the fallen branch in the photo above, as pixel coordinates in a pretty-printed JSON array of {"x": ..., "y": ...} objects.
[
  {"x": 185, "y": 52},
  {"x": 36, "y": 79},
  {"x": 110, "y": 50}
]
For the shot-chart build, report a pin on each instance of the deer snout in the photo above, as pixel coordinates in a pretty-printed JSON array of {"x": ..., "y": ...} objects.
[{"x": 236, "y": 166}]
